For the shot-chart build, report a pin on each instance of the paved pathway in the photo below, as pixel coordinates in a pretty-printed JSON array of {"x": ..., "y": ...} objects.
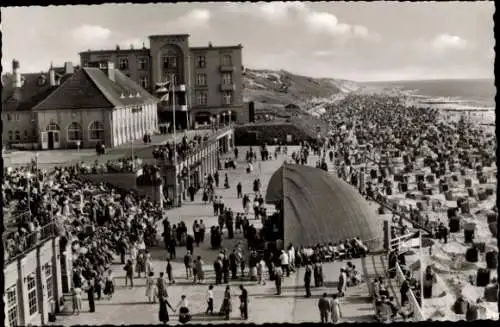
[{"x": 129, "y": 306}]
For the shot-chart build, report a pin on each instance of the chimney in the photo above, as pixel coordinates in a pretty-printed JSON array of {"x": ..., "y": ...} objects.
[
  {"x": 17, "y": 74},
  {"x": 111, "y": 71},
  {"x": 68, "y": 68},
  {"x": 52, "y": 77},
  {"x": 210, "y": 44},
  {"x": 117, "y": 47}
]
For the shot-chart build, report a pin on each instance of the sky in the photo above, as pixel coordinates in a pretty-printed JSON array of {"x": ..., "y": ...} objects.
[{"x": 378, "y": 41}]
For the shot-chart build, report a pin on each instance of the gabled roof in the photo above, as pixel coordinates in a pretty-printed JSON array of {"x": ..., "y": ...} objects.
[
  {"x": 27, "y": 96},
  {"x": 122, "y": 84},
  {"x": 90, "y": 88}
]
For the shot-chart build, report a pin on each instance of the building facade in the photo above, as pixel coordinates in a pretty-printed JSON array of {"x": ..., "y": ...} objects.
[
  {"x": 89, "y": 106},
  {"x": 208, "y": 79},
  {"x": 35, "y": 283},
  {"x": 96, "y": 105},
  {"x": 22, "y": 92}
]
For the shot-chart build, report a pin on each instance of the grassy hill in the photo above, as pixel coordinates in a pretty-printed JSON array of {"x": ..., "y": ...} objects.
[{"x": 272, "y": 90}]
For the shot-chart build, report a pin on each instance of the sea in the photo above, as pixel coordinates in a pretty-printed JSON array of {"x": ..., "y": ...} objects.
[{"x": 474, "y": 93}]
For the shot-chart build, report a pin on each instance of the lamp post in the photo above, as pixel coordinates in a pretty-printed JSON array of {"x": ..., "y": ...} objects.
[
  {"x": 230, "y": 117},
  {"x": 218, "y": 121},
  {"x": 78, "y": 142},
  {"x": 132, "y": 153},
  {"x": 223, "y": 119},
  {"x": 50, "y": 184},
  {"x": 28, "y": 176}
]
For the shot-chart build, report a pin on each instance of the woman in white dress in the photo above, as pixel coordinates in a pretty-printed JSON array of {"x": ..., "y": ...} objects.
[
  {"x": 335, "y": 309},
  {"x": 151, "y": 287}
]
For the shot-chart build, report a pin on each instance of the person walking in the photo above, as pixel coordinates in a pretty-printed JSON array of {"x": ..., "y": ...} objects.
[
  {"x": 163, "y": 312},
  {"x": 76, "y": 298},
  {"x": 307, "y": 280},
  {"x": 188, "y": 264},
  {"x": 324, "y": 306},
  {"x": 210, "y": 300},
  {"x": 151, "y": 288},
  {"x": 170, "y": 275},
  {"x": 226, "y": 303},
  {"x": 199, "y": 269},
  {"x": 161, "y": 286},
  {"x": 90, "y": 294},
  {"x": 335, "y": 309},
  {"x": 239, "y": 190},
  {"x": 109, "y": 286},
  {"x": 278, "y": 276},
  {"x": 244, "y": 303},
  {"x": 129, "y": 273},
  {"x": 342, "y": 283}
]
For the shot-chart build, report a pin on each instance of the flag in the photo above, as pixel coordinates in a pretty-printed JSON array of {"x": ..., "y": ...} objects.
[{"x": 164, "y": 98}]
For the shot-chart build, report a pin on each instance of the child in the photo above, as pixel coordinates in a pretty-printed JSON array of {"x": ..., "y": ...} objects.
[
  {"x": 210, "y": 300},
  {"x": 77, "y": 300},
  {"x": 260, "y": 272}
]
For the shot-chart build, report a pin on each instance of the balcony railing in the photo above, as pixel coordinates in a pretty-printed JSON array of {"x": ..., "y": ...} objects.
[
  {"x": 227, "y": 87},
  {"x": 412, "y": 299},
  {"x": 211, "y": 139},
  {"x": 28, "y": 242},
  {"x": 226, "y": 68}
]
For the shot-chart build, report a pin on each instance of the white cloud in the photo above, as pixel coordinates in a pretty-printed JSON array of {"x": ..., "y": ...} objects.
[
  {"x": 446, "y": 41},
  {"x": 322, "y": 53},
  {"x": 300, "y": 13},
  {"x": 278, "y": 11},
  {"x": 198, "y": 16},
  {"x": 91, "y": 35}
]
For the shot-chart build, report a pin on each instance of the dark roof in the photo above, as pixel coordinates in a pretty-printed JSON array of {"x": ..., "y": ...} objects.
[
  {"x": 111, "y": 51},
  {"x": 227, "y": 47},
  {"x": 168, "y": 35},
  {"x": 27, "y": 96},
  {"x": 90, "y": 88},
  {"x": 122, "y": 85},
  {"x": 319, "y": 207}
]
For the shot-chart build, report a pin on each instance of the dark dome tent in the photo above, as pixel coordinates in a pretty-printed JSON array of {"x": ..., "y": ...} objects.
[{"x": 319, "y": 207}]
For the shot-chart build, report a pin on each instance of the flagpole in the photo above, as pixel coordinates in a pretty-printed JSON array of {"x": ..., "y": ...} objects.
[
  {"x": 175, "y": 141},
  {"x": 421, "y": 272}
]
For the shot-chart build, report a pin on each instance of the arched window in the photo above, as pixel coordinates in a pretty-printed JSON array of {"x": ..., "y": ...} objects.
[
  {"x": 52, "y": 127},
  {"x": 74, "y": 132},
  {"x": 96, "y": 131}
]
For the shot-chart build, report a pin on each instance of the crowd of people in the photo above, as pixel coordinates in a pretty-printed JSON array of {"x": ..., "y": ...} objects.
[{"x": 181, "y": 149}]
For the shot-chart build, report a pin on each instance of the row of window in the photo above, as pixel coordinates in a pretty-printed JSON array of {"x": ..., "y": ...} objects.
[
  {"x": 201, "y": 61},
  {"x": 11, "y": 117},
  {"x": 202, "y": 98},
  {"x": 16, "y": 135},
  {"x": 169, "y": 62},
  {"x": 11, "y": 295},
  {"x": 201, "y": 79}
]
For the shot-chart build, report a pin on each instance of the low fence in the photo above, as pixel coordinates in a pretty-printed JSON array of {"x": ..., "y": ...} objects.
[{"x": 28, "y": 242}]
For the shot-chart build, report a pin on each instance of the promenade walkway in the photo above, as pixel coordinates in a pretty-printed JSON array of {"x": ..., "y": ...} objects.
[{"x": 129, "y": 306}]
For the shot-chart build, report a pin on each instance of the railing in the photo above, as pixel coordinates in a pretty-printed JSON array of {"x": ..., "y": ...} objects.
[
  {"x": 29, "y": 242},
  {"x": 412, "y": 299},
  {"x": 189, "y": 154}
]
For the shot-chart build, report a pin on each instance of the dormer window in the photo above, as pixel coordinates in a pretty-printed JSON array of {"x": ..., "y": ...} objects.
[
  {"x": 122, "y": 96},
  {"x": 123, "y": 64},
  {"x": 42, "y": 80}
]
